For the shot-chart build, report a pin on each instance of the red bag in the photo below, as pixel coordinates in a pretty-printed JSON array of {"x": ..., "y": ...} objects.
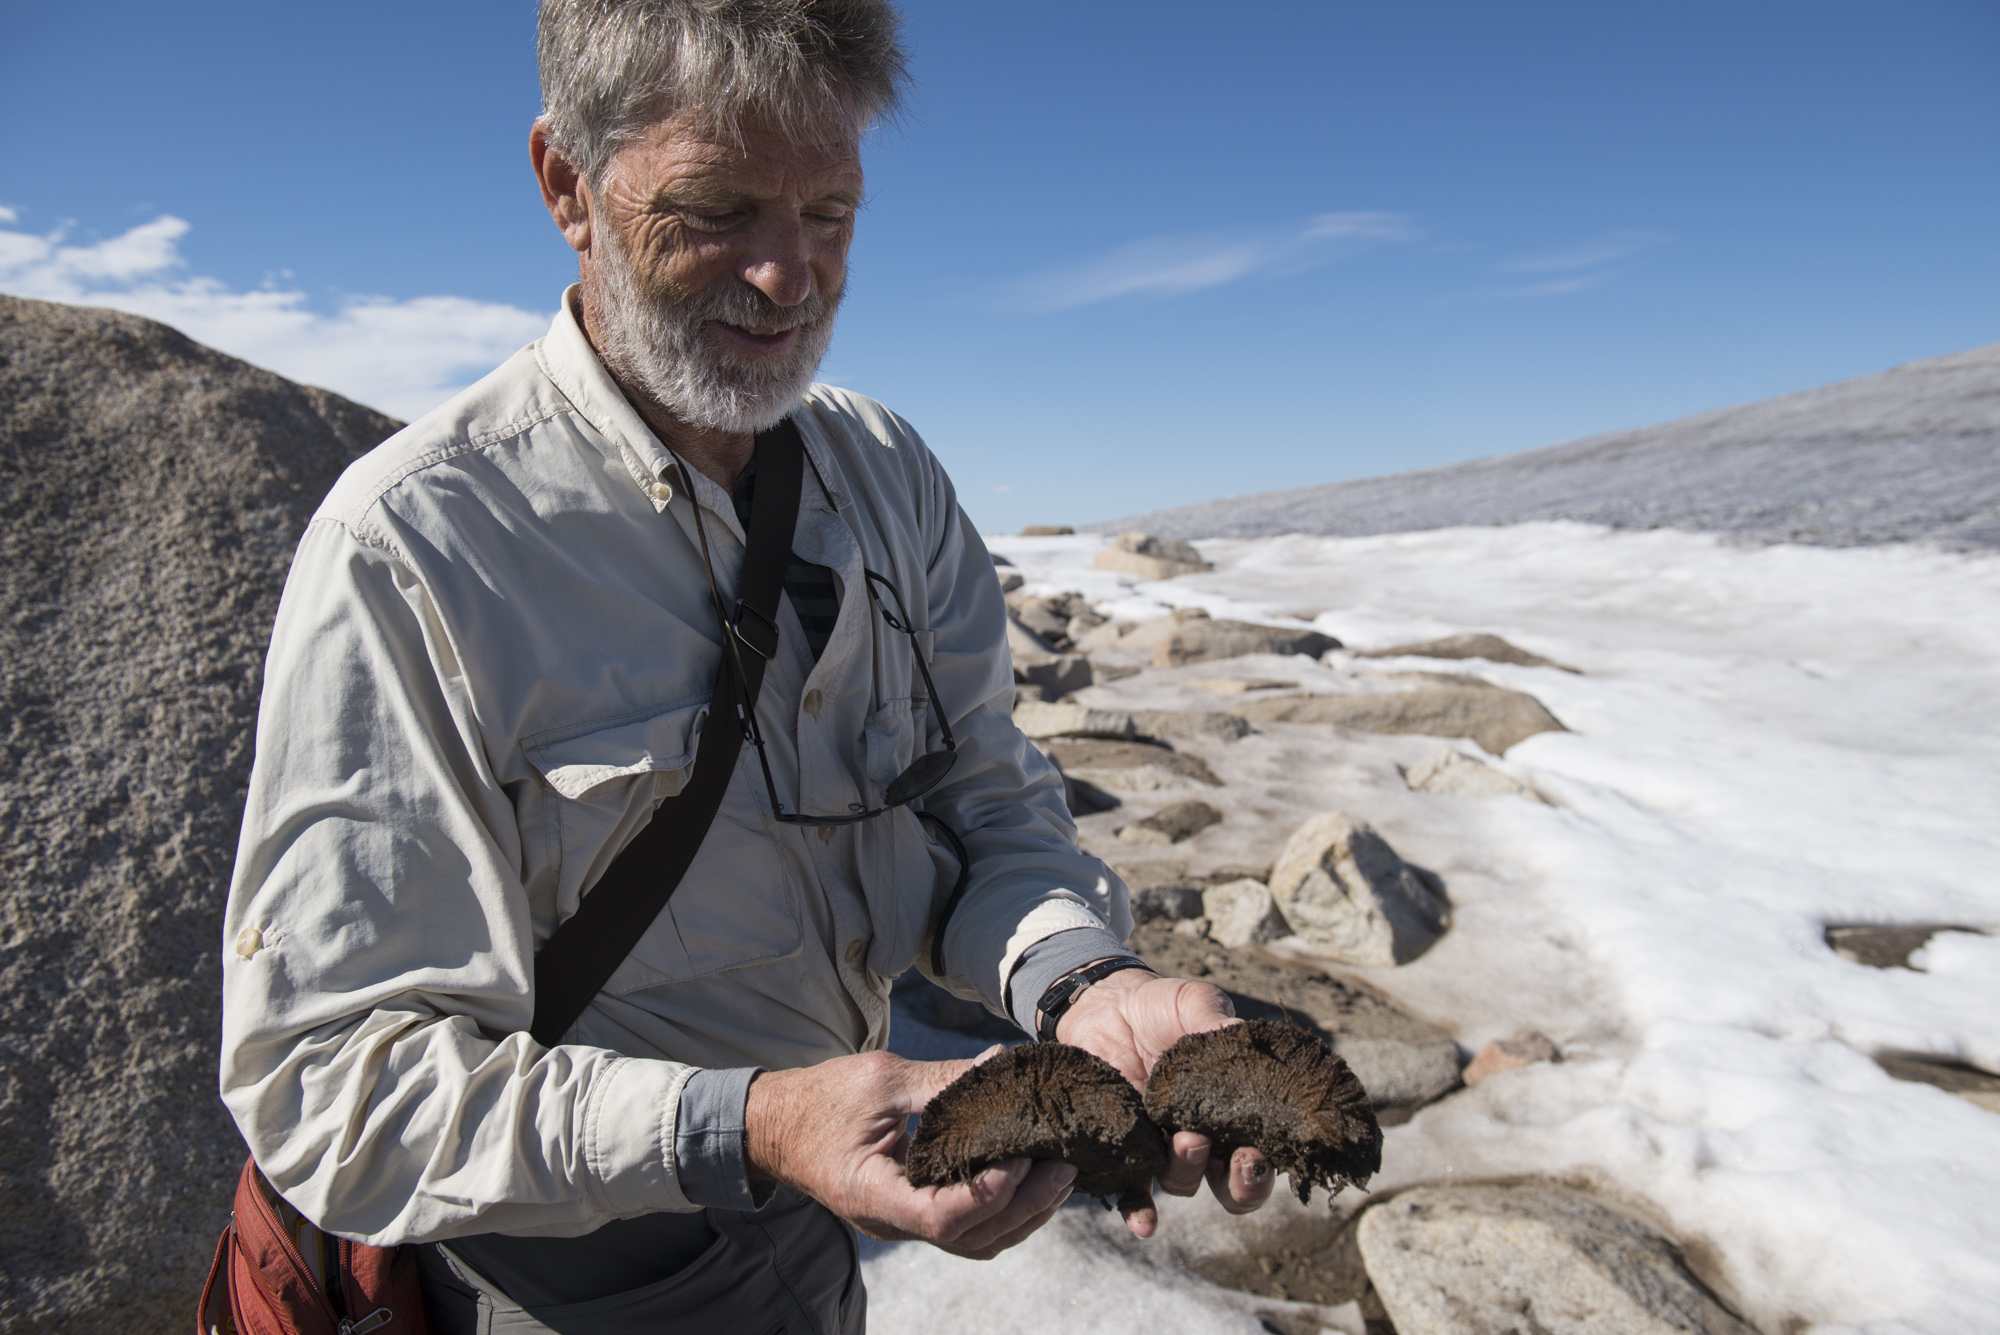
[{"x": 261, "y": 1283}]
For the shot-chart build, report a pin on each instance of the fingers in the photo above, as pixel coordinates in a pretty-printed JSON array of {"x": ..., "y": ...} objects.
[
  {"x": 1243, "y": 1182},
  {"x": 1187, "y": 1162},
  {"x": 1034, "y": 1203},
  {"x": 1141, "y": 1215}
]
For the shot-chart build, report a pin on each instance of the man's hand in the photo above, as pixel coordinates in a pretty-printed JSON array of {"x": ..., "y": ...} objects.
[
  {"x": 835, "y": 1132},
  {"x": 1130, "y": 1019}
]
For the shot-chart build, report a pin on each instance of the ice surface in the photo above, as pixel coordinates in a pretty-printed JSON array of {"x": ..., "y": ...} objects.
[
  {"x": 1764, "y": 740},
  {"x": 1909, "y": 454}
]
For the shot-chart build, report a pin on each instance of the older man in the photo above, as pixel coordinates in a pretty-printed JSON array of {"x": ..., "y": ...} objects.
[{"x": 496, "y": 660}]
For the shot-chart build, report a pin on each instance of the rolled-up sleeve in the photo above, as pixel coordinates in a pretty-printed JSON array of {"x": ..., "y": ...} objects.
[{"x": 378, "y": 949}]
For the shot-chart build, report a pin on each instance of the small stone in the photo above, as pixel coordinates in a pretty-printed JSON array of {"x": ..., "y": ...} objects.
[
  {"x": 1241, "y": 913},
  {"x": 1059, "y": 675},
  {"x": 1166, "y": 903},
  {"x": 1509, "y": 1054},
  {"x": 1170, "y": 825},
  {"x": 1453, "y": 774},
  {"x": 1347, "y": 895}
]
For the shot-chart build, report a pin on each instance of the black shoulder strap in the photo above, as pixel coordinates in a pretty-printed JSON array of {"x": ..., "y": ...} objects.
[{"x": 587, "y": 949}]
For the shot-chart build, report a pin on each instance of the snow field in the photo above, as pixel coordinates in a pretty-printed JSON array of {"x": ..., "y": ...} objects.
[{"x": 1764, "y": 741}]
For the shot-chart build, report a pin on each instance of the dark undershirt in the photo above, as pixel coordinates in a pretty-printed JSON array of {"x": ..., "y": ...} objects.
[{"x": 815, "y": 597}]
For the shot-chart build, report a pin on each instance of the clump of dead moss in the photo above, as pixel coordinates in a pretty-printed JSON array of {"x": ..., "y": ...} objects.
[
  {"x": 1041, "y": 1101},
  {"x": 1276, "y": 1089}
]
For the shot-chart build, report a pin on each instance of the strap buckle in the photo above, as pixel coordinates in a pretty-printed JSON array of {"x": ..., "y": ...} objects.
[{"x": 761, "y": 637}]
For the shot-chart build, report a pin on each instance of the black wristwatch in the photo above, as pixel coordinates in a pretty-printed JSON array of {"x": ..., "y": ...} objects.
[{"x": 1063, "y": 992}]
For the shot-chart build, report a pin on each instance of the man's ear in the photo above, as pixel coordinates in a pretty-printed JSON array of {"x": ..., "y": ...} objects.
[{"x": 564, "y": 194}]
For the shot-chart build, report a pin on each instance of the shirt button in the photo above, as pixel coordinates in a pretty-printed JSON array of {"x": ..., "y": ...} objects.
[
  {"x": 661, "y": 491},
  {"x": 249, "y": 941},
  {"x": 855, "y": 951},
  {"x": 813, "y": 701},
  {"x": 826, "y": 834}
]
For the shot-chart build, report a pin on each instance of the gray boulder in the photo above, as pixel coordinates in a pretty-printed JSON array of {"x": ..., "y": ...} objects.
[
  {"x": 151, "y": 493},
  {"x": 1495, "y": 718},
  {"x": 1490, "y": 1260},
  {"x": 1349, "y": 897},
  {"x": 1207, "y": 640},
  {"x": 1149, "y": 557}
]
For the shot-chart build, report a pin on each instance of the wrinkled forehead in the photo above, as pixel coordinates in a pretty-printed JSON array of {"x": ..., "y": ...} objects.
[{"x": 756, "y": 155}]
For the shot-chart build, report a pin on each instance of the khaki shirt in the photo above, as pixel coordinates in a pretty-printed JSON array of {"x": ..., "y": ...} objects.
[{"x": 493, "y": 658}]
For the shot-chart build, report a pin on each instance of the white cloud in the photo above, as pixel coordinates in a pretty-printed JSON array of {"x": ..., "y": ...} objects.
[
  {"x": 1173, "y": 265},
  {"x": 402, "y": 356}
]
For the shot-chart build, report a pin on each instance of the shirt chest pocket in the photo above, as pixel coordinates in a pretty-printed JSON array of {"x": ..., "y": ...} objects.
[{"x": 736, "y": 905}]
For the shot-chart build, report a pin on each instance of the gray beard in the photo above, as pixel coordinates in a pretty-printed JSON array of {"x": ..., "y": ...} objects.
[{"x": 664, "y": 347}]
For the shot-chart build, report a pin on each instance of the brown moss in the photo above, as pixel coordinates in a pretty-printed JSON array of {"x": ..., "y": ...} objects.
[
  {"x": 1041, "y": 1101},
  {"x": 1274, "y": 1088}
]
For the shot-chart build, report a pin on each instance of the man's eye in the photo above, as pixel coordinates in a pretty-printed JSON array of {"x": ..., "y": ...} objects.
[{"x": 711, "y": 221}]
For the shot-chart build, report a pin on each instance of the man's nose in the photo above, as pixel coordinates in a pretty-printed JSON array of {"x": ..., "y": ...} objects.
[{"x": 780, "y": 262}]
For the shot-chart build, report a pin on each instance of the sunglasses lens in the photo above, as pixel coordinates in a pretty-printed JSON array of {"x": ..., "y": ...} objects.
[{"x": 924, "y": 774}]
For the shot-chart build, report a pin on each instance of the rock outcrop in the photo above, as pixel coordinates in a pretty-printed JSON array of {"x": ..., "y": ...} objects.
[
  {"x": 1476, "y": 645},
  {"x": 1458, "y": 1260},
  {"x": 1131, "y": 767},
  {"x": 1494, "y": 717},
  {"x": 1207, "y": 640},
  {"x": 151, "y": 493}
]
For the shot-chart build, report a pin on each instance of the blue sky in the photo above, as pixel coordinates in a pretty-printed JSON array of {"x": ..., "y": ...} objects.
[{"x": 1117, "y": 255}]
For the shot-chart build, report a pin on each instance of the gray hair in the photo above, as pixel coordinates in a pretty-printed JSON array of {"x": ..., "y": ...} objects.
[{"x": 611, "y": 69}]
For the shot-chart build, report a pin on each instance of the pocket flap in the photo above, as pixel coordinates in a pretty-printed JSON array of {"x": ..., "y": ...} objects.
[{"x": 663, "y": 742}]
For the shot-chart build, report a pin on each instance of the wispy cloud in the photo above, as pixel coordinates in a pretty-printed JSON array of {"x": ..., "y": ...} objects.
[
  {"x": 402, "y": 356},
  {"x": 1171, "y": 266},
  {"x": 1591, "y": 255},
  {"x": 1577, "y": 269}
]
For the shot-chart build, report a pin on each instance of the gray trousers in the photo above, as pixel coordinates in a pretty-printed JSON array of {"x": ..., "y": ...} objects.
[{"x": 791, "y": 1268}]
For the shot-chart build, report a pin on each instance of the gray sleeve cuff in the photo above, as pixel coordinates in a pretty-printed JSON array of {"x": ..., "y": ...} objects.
[
  {"x": 1049, "y": 959},
  {"x": 708, "y": 1139}
]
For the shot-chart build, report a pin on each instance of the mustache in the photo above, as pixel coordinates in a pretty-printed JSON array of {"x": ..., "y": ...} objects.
[{"x": 747, "y": 307}]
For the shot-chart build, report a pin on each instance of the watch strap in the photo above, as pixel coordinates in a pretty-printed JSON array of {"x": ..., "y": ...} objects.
[{"x": 1063, "y": 992}]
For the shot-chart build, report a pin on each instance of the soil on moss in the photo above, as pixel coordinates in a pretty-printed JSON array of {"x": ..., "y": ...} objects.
[
  {"x": 1275, "y": 1088},
  {"x": 1044, "y": 1101}
]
